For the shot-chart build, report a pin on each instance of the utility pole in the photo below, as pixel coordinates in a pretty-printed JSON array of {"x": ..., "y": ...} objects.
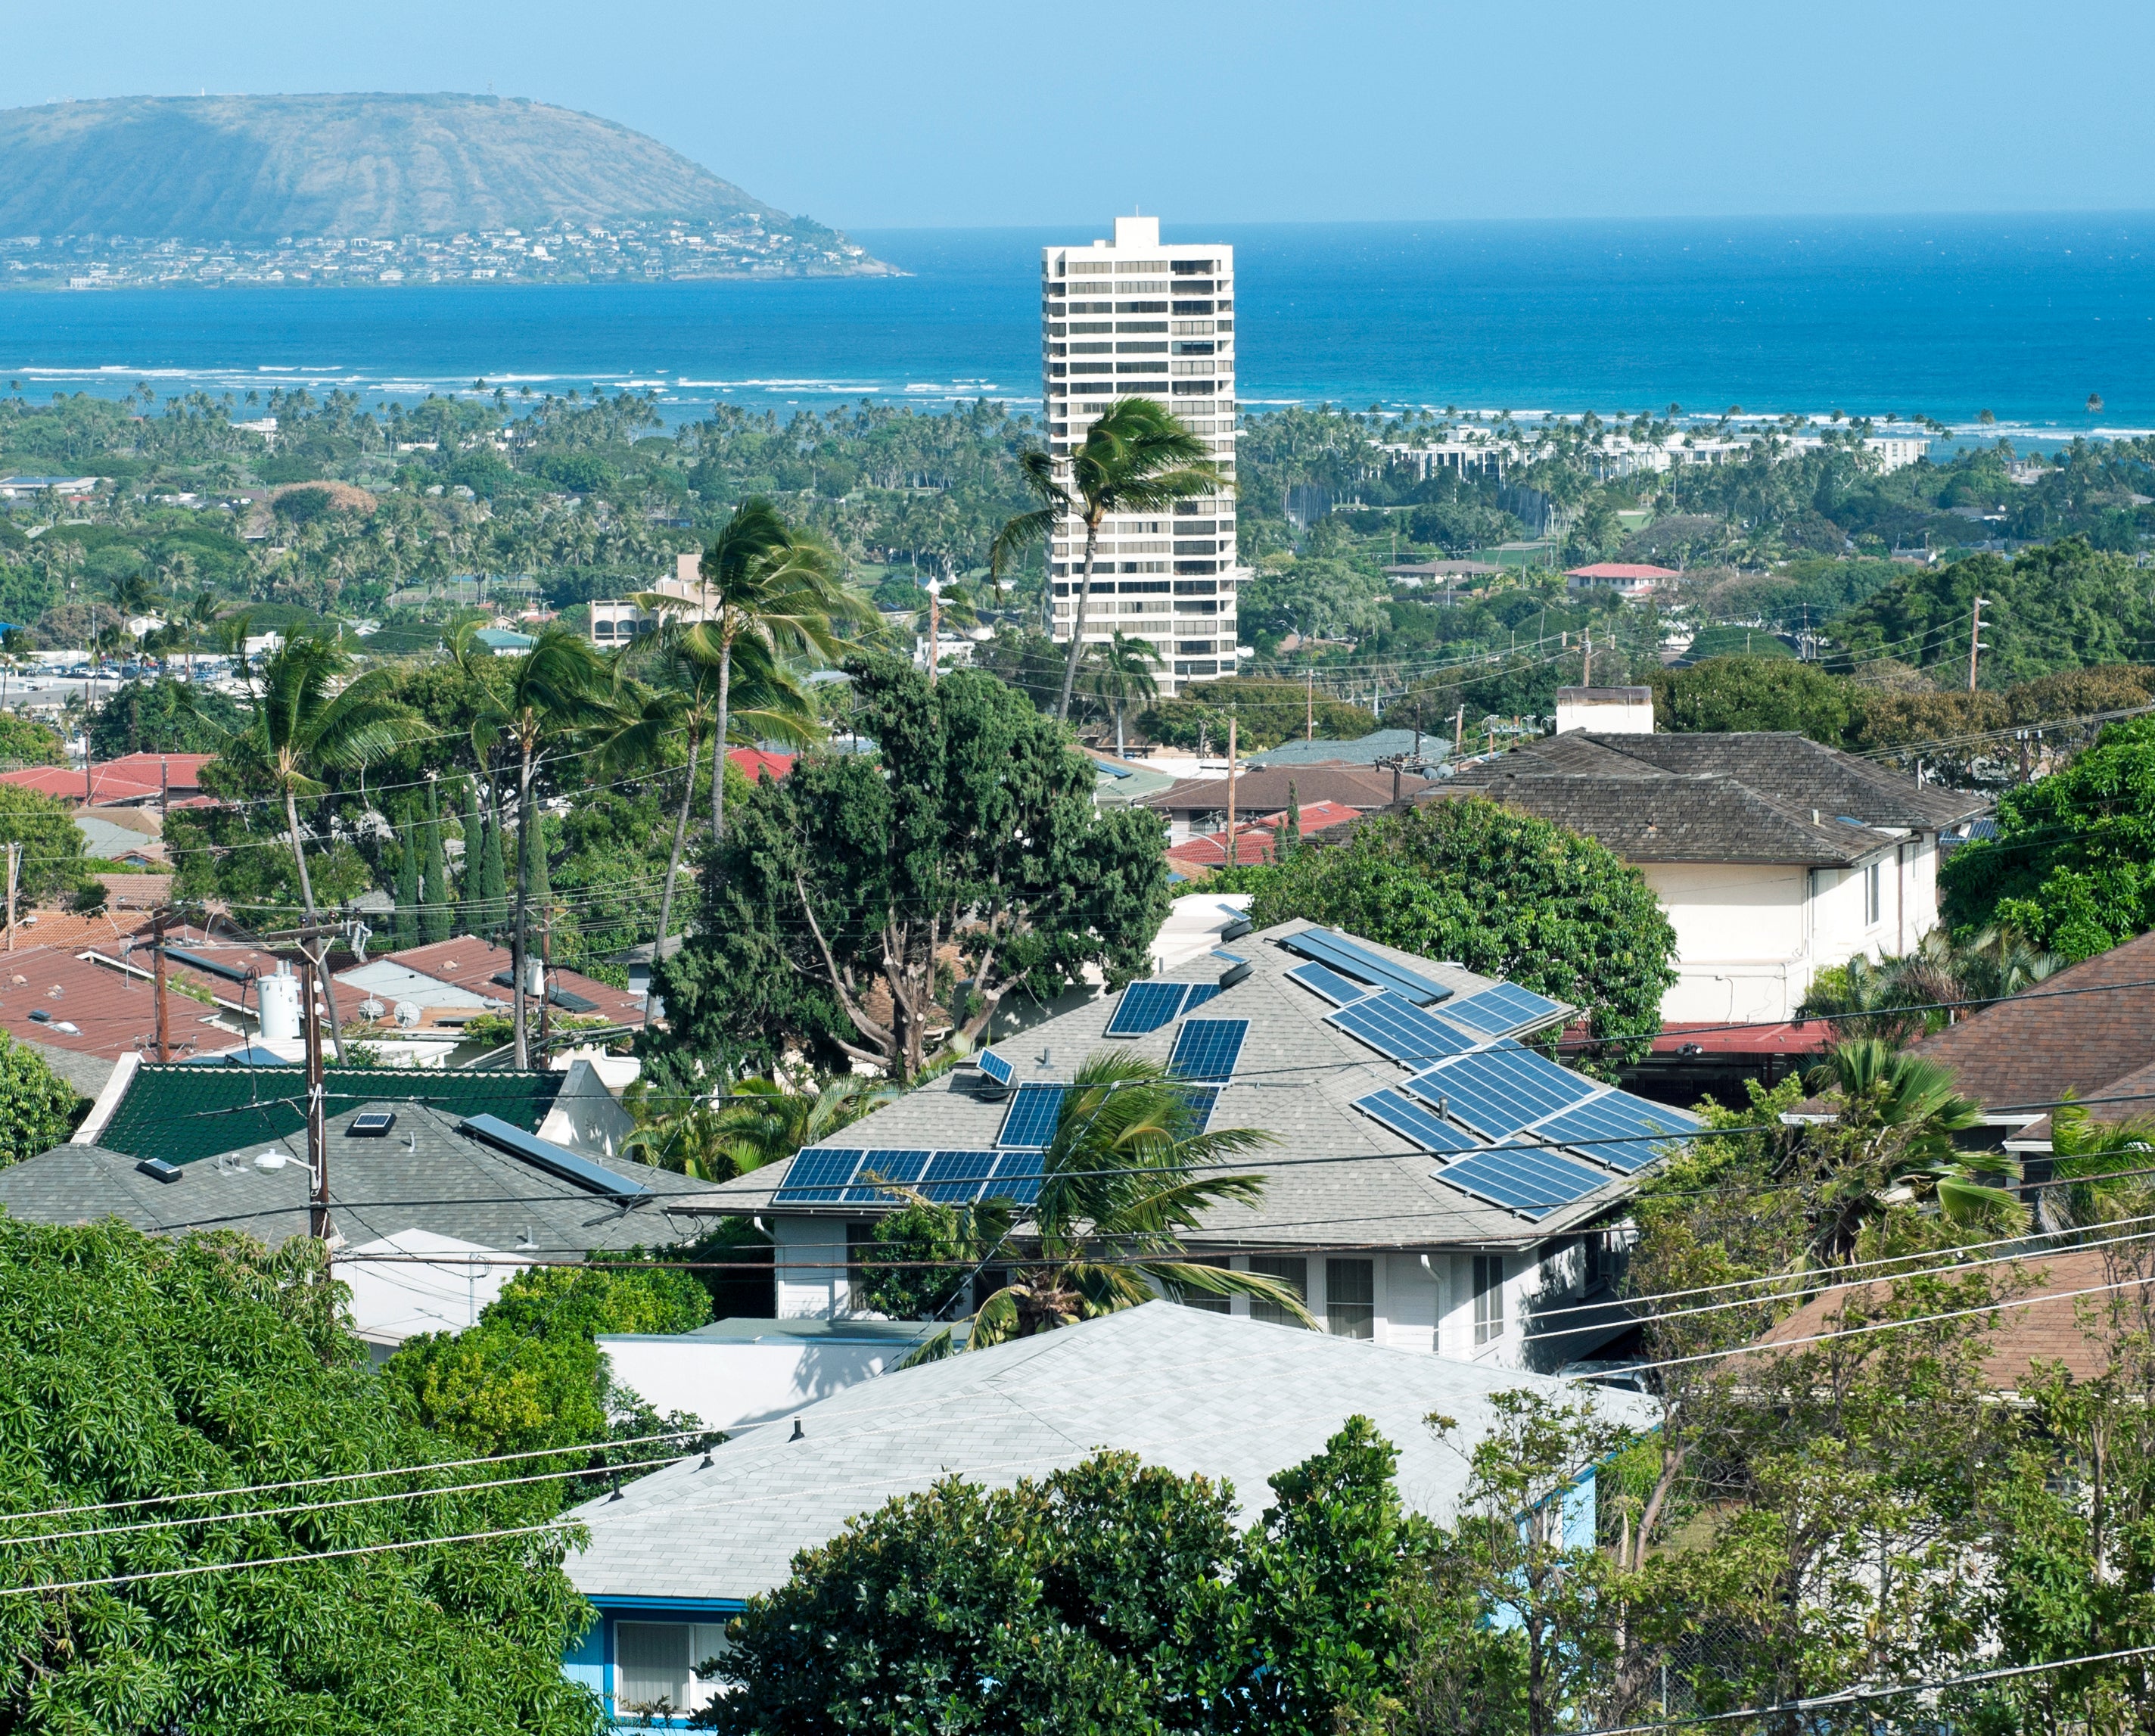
[
  {"x": 1458, "y": 728},
  {"x": 1309, "y": 703},
  {"x": 1975, "y": 637},
  {"x": 14, "y": 870},
  {"x": 318, "y": 1144},
  {"x": 1230, "y": 789},
  {"x": 157, "y": 951},
  {"x": 935, "y": 631},
  {"x": 1586, "y": 662},
  {"x": 546, "y": 973}
]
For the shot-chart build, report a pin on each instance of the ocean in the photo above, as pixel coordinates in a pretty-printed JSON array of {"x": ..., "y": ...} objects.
[{"x": 1947, "y": 317}]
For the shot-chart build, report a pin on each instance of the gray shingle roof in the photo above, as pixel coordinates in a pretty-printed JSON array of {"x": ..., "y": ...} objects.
[
  {"x": 425, "y": 1175},
  {"x": 1335, "y": 1178},
  {"x": 1364, "y": 750},
  {"x": 1195, "y": 1392},
  {"x": 1744, "y": 797}
]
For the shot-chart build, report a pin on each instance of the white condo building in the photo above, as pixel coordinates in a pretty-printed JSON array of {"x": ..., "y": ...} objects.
[{"x": 1135, "y": 317}]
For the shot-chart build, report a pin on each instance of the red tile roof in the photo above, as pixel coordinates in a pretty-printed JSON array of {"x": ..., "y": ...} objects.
[
  {"x": 132, "y": 777},
  {"x": 754, "y": 761},
  {"x": 472, "y": 964},
  {"x": 1209, "y": 850},
  {"x": 1619, "y": 570},
  {"x": 1784, "y": 1038},
  {"x": 112, "y": 1011}
]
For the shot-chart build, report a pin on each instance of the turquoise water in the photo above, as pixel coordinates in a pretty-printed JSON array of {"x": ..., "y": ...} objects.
[{"x": 1945, "y": 316}]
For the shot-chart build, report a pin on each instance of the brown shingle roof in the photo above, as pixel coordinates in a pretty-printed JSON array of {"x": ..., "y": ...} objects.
[
  {"x": 1264, "y": 790},
  {"x": 2055, "y": 1037}
]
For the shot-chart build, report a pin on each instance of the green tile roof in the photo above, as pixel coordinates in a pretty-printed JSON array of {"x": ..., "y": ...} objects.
[{"x": 183, "y": 1113}]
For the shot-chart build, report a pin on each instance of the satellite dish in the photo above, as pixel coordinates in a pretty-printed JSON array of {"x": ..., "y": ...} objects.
[
  {"x": 407, "y": 1014},
  {"x": 371, "y": 1008}
]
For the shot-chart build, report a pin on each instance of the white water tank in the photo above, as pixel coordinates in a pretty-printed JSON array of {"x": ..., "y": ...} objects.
[{"x": 280, "y": 1000}]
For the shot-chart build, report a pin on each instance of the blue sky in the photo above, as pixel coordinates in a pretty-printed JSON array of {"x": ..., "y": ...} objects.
[{"x": 933, "y": 113}]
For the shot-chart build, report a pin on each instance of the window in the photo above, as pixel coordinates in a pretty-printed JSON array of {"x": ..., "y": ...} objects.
[
  {"x": 1291, "y": 1269},
  {"x": 1488, "y": 1299},
  {"x": 1193, "y": 307},
  {"x": 1873, "y": 904},
  {"x": 1203, "y": 1299},
  {"x": 1350, "y": 1298},
  {"x": 655, "y": 1662}
]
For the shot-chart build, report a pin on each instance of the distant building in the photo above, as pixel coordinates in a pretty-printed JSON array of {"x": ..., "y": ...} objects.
[
  {"x": 23, "y": 488},
  {"x": 617, "y": 621},
  {"x": 1630, "y": 579},
  {"x": 1136, "y": 317},
  {"x": 1444, "y": 579}
]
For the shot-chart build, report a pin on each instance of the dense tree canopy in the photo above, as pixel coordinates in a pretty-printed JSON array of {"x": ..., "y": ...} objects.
[
  {"x": 38, "y": 1108},
  {"x": 132, "y": 1369},
  {"x": 52, "y": 844},
  {"x": 1722, "y": 694},
  {"x": 163, "y": 716},
  {"x": 1501, "y": 892}
]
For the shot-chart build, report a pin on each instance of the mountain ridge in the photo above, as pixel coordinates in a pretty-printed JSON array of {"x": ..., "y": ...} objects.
[{"x": 247, "y": 169}]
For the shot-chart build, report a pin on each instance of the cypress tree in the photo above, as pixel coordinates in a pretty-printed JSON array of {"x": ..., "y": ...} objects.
[
  {"x": 471, "y": 912},
  {"x": 434, "y": 911},
  {"x": 531, "y": 871},
  {"x": 1290, "y": 832},
  {"x": 493, "y": 883},
  {"x": 405, "y": 929}
]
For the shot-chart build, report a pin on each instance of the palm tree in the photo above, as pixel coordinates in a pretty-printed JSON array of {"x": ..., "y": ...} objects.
[
  {"x": 1137, "y": 457},
  {"x": 683, "y": 710},
  {"x": 1128, "y": 1171},
  {"x": 764, "y": 582},
  {"x": 556, "y": 689},
  {"x": 1118, "y": 673},
  {"x": 2109, "y": 1163},
  {"x": 305, "y": 723},
  {"x": 1892, "y": 1143}
]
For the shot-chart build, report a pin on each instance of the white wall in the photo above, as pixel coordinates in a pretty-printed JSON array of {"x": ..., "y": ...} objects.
[
  {"x": 808, "y": 1264},
  {"x": 729, "y": 1384}
]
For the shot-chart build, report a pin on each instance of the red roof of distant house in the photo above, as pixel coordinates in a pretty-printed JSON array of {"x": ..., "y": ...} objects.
[
  {"x": 754, "y": 761},
  {"x": 132, "y": 777},
  {"x": 1209, "y": 850},
  {"x": 1785, "y": 1037},
  {"x": 1316, "y": 815},
  {"x": 1620, "y": 570},
  {"x": 472, "y": 964}
]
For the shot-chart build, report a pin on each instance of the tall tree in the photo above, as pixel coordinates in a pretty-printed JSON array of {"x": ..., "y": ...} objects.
[
  {"x": 764, "y": 582},
  {"x": 435, "y": 911},
  {"x": 471, "y": 909},
  {"x": 1137, "y": 457},
  {"x": 845, "y": 886},
  {"x": 405, "y": 924},
  {"x": 1118, "y": 673}
]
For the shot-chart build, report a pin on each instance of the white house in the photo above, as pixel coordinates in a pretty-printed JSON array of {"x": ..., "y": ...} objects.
[
  {"x": 1774, "y": 856},
  {"x": 1431, "y": 1184}
]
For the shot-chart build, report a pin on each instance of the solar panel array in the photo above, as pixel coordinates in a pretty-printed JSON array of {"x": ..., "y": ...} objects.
[
  {"x": 1616, "y": 1129},
  {"x": 834, "y": 1175},
  {"x": 818, "y": 1177},
  {"x": 1503, "y": 1011},
  {"x": 1323, "y": 979},
  {"x": 1207, "y": 1049},
  {"x": 1358, "y": 961},
  {"x": 1199, "y": 993},
  {"x": 1398, "y": 1030},
  {"x": 1406, "y": 1117},
  {"x": 955, "y": 1178},
  {"x": 900, "y": 1169},
  {"x": 1497, "y": 1092},
  {"x": 1146, "y": 1006},
  {"x": 1202, "y": 1099},
  {"x": 1522, "y": 1179},
  {"x": 1032, "y": 1116},
  {"x": 1017, "y": 1178}
]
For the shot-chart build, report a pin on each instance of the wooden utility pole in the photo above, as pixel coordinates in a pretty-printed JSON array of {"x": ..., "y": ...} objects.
[
  {"x": 318, "y": 1144},
  {"x": 1230, "y": 789},
  {"x": 1975, "y": 637},
  {"x": 1458, "y": 728},
  {"x": 14, "y": 872},
  {"x": 1586, "y": 662},
  {"x": 157, "y": 952},
  {"x": 935, "y": 635},
  {"x": 545, "y": 981},
  {"x": 1309, "y": 703}
]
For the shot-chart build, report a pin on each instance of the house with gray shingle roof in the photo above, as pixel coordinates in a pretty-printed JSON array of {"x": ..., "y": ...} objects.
[
  {"x": 676, "y": 1555},
  {"x": 1433, "y": 1185},
  {"x": 1774, "y": 856}
]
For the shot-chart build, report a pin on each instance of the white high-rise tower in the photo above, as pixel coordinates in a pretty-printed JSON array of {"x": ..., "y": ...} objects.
[{"x": 1136, "y": 317}]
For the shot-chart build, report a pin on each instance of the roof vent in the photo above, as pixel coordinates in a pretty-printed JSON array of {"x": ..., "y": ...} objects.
[
  {"x": 1235, "y": 929},
  {"x": 1234, "y": 973},
  {"x": 158, "y": 1169}
]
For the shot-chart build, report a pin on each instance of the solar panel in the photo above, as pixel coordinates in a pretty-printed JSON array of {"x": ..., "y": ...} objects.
[
  {"x": 1617, "y": 1129},
  {"x": 902, "y": 1168},
  {"x": 373, "y": 1125},
  {"x": 1411, "y": 1121},
  {"x": 996, "y": 1068},
  {"x": 1017, "y": 1178},
  {"x": 1357, "y": 960},
  {"x": 555, "y": 1159},
  {"x": 818, "y": 1177},
  {"x": 953, "y": 1178},
  {"x": 1497, "y": 1091},
  {"x": 1323, "y": 979},
  {"x": 1398, "y": 1030},
  {"x": 1208, "y": 1049},
  {"x": 1503, "y": 1009},
  {"x": 1033, "y": 1113},
  {"x": 1202, "y": 1100},
  {"x": 1199, "y": 993},
  {"x": 1146, "y": 1006},
  {"x": 1522, "y": 1179}
]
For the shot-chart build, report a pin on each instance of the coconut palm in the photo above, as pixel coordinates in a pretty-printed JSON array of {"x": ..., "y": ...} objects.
[
  {"x": 1137, "y": 457},
  {"x": 766, "y": 582},
  {"x": 1891, "y": 1144},
  {"x": 1119, "y": 672},
  {"x": 1128, "y": 1172},
  {"x": 759, "y": 1122},
  {"x": 309, "y": 720}
]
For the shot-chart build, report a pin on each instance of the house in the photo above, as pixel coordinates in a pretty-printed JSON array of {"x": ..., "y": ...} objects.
[
  {"x": 678, "y": 1554},
  {"x": 1379, "y": 747},
  {"x": 132, "y": 780},
  {"x": 503, "y": 642},
  {"x": 1431, "y": 1183},
  {"x": 1630, "y": 580},
  {"x": 484, "y": 969},
  {"x": 1255, "y": 841},
  {"x": 2086, "y": 1032},
  {"x": 1200, "y": 804},
  {"x": 24, "y": 487},
  {"x": 1774, "y": 856},
  {"x": 438, "y": 1196},
  {"x": 1445, "y": 581},
  {"x": 86, "y": 985}
]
